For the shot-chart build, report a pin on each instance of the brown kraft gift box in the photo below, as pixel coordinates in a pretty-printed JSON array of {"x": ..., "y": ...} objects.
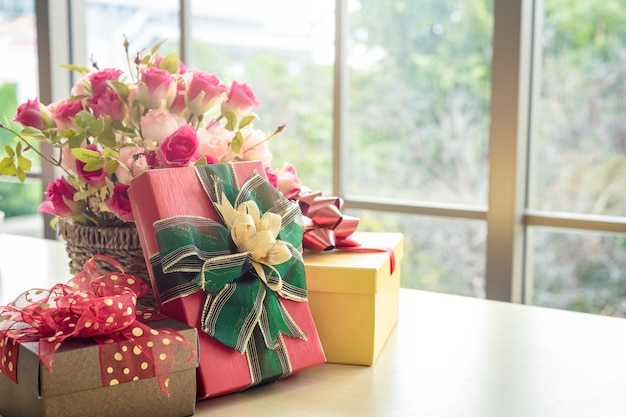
[{"x": 74, "y": 387}]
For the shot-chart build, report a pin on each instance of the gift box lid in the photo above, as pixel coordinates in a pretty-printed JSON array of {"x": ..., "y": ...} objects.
[
  {"x": 76, "y": 366},
  {"x": 355, "y": 272}
]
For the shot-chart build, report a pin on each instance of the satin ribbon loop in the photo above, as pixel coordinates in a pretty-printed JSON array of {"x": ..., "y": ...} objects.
[{"x": 325, "y": 227}]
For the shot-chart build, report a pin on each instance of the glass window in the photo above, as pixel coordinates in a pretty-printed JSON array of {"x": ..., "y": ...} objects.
[
  {"x": 18, "y": 83},
  {"x": 579, "y": 145},
  {"x": 419, "y": 88},
  {"x": 443, "y": 255},
  {"x": 284, "y": 50},
  {"x": 579, "y": 271},
  {"x": 143, "y": 22},
  {"x": 578, "y": 156}
]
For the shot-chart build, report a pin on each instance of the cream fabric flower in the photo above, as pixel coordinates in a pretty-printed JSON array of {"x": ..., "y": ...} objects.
[{"x": 257, "y": 235}]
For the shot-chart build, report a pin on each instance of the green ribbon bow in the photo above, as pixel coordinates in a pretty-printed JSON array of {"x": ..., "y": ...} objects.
[{"x": 245, "y": 262}]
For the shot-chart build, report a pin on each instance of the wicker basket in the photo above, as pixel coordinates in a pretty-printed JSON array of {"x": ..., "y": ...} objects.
[{"x": 121, "y": 243}]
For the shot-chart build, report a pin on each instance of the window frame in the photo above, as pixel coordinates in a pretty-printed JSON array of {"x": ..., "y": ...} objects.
[{"x": 515, "y": 64}]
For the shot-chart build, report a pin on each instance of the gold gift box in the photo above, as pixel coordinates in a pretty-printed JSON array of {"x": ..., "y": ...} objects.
[{"x": 354, "y": 297}]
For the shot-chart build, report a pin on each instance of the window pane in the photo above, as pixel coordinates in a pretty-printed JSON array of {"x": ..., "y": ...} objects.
[
  {"x": 579, "y": 144},
  {"x": 18, "y": 82},
  {"x": 440, "y": 255},
  {"x": 143, "y": 22},
  {"x": 284, "y": 50},
  {"x": 582, "y": 272},
  {"x": 419, "y": 99}
]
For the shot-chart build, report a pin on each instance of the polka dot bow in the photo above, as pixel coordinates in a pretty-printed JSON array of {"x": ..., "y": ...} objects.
[{"x": 102, "y": 307}]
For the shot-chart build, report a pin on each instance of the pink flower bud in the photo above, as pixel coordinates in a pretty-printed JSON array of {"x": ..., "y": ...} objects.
[
  {"x": 204, "y": 90},
  {"x": 99, "y": 80},
  {"x": 34, "y": 114},
  {"x": 157, "y": 88},
  {"x": 241, "y": 99}
]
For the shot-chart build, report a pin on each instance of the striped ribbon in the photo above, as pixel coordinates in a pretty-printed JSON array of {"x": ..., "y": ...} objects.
[{"x": 243, "y": 308}]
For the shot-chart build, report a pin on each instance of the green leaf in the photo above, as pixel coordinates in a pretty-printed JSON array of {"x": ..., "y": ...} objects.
[
  {"x": 76, "y": 140},
  {"x": 7, "y": 167},
  {"x": 9, "y": 150},
  {"x": 21, "y": 174},
  {"x": 231, "y": 120},
  {"x": 246, "y": 121},
  {"x": 170, "y": 63},
  {"x": 83, "y": 119},
  {"x": 107, "y": 138},
  {"x": 112, "y": 153},
  {"x": 237, "y": 142},
  {"x": 157, "y": 46},
  {"x": 24, "y": 163},
  {"x": 68, "y": 133},
  {"x": 120, "y": 88},
  {"x": 111, "y": 166},
  {"x": 82, "y": 195},
  {"x": 94, "y": 165},
  {"x": 86, "y": 155},
  {"x": 32, "y": 132},
  {"x": 80, "y": 69},
  {"x": 96, "y": 127},
  {"x": 200, "y": 161}
]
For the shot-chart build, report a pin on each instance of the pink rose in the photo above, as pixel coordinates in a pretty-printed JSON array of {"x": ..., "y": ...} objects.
[
  {"x": 99, "y": 80},
  {"x": 288, "y": 182},
  {"x": 214, "y": 140},
  {"x": 64, "y": 112},
  {"x": 204, "y": 89},
  {"x": 157, "y": 88},
  {"x": 34, "y": 114},
  {"x": 240, "y": 99},
  {"x": 60, "y": 199},
  {"x": 255, "y": 146},
  {"x": 271, "y": 177},
  {"x": 108, "y": 104},
  {"x": 158, "y": 124},
  {"x": 119, "y": 203},
  {"x": 95, "y": 177},
  {"x": 132, "y": 164},
  {"x": 180, "y": 148}
]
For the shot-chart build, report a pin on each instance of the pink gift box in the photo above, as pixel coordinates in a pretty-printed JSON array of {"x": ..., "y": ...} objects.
[{"x": 160, "y": 194}]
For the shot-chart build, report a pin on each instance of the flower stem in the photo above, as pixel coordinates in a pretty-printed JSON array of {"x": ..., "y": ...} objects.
[{"x": 34, "y": 149}]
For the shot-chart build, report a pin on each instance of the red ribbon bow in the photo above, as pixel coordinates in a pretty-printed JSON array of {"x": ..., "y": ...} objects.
[
  {"x": 325, "y": 227},
  {"x": 94, "y": 305}
]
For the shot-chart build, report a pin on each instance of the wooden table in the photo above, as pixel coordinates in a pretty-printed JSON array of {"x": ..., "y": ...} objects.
[{"x": 449, "y": 356}]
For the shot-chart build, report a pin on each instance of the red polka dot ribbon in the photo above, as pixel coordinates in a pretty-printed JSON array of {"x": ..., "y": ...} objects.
[{"x": 91, "y": 305}]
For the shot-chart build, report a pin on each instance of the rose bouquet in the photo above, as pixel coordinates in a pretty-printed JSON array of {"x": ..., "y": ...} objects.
[{"x": 115, "y": 125}]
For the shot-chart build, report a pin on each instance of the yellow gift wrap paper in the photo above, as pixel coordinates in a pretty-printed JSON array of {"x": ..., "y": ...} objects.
[{"x": 353, "y": 297}]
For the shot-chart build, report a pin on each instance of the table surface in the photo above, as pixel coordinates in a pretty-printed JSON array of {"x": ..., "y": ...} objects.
[{"x": 448, "y": 356}]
